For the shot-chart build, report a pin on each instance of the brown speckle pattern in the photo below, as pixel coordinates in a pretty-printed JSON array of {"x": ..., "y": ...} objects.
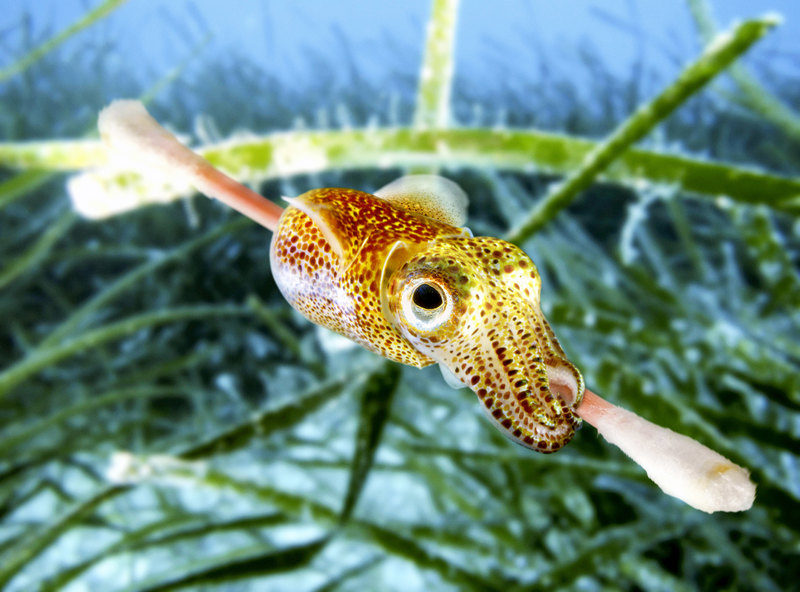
[{"x": 343, "y": 295}]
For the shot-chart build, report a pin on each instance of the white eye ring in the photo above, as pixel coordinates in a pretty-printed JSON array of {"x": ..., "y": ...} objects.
[{"x": 426, "y": 305}]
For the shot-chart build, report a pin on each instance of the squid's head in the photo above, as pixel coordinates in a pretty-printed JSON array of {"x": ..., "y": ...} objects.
[{"x": 472, "y": 305}]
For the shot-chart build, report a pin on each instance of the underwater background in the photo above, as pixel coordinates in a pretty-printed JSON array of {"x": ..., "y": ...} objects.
[{"x": 167, "y": 421}]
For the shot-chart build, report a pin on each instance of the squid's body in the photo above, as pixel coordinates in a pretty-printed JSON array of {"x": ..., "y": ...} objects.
[{"x": 398, "y": 274}]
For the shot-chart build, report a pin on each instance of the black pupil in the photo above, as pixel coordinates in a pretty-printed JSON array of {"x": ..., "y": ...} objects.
[{"x": 427, "y": 297}]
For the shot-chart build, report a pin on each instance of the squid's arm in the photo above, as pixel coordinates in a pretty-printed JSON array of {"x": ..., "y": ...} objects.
[{"x": 679, "y": 465}]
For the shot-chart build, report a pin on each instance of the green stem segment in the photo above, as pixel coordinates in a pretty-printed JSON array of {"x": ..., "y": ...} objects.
[
  {"x": 436, "y": 76},
  {"x": 714, "y": 60},
  {"x": 278, "y": 155}
]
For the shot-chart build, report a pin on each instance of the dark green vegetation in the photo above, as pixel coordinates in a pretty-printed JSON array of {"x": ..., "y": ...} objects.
[{"x": 271, "y": 455}]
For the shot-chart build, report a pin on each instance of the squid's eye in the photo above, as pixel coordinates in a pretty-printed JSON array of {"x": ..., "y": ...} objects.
[
  {"x": 427, "y": 297},
  {"x": 426, "y": 305}
]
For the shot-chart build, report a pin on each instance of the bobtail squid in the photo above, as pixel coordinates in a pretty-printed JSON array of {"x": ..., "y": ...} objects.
[{"x": 398, "y": 273}]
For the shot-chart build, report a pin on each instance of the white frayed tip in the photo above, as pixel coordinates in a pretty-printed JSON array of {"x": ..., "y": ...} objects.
[
  {"x": 127, "y": 468},
  {"x": 123, "y": 469},
  {"x": 679, "y": 465},
  {"x": 773, "y": 19},
  {"x": 135, "y": 141}
]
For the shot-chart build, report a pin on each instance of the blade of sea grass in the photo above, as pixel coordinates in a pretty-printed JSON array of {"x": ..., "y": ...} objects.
[
  {"x": 73, "y": 323},
  {"x": 22, "y": 184},
  {"x": 42, "y": 358},
  {"x": 26, "y": 261},
  {"x": 234, "y": 438},
  {"x": 32, "y": 545},
  {"x": 266, "y": 422},
  {"x": 230, "y": 569},
  {"x": 376, "y": 400},
  {"x": 24, "y": 434},
  {"x": 752, "y": 93},
  {"x": 712, "y": 62},
  {"x": 392, "y": 542},
  {"x": 89, "y": 18}
]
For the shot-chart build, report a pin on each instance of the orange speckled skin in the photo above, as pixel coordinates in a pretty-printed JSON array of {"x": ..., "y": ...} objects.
[
  {"x": 496, "y": 340},
  {"x": 343, "y": 295}
]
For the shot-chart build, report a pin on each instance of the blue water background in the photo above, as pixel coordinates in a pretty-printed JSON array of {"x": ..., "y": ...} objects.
[{"x": 494, "y": 39}]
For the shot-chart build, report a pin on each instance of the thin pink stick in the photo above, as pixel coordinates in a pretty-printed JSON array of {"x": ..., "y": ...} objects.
[
  {"x": 216, "y": 184},
  {"x": 592, "y": 407}
]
